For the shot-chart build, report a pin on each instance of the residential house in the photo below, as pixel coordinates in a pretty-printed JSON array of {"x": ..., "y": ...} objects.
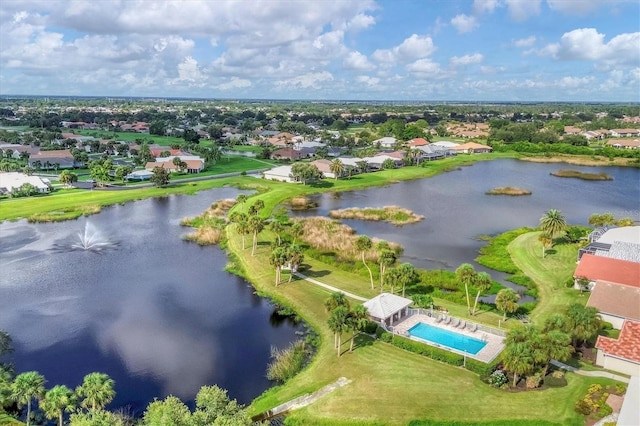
[
  {"x": 387, "y": 308},
  {"x": 621, "y": 354},
  {"x": 17, "y": 149},
  {"x": 325, "y": 167},
  {"x": 624, "y": 143},
  {"x": 615, "y": 302},
  {"x": 14, "y": 180},
  {"x": 194, "y": 163},
  {"x": 624, "y": 133},
  {"x": 290, "y": 154},
  {"x": 416, "y": 142},
  {"x": 52, "y": 160},
  {"x": 619, "y": 243},
  {"x": 280, "y": 174},
  {"x": 593, "y": 268},
  {"x": 572, "y": 130},
  {"x": 472, "y": 148},
  {"x": 445, "y": 144},
  {"x": 386, "y": 143}
]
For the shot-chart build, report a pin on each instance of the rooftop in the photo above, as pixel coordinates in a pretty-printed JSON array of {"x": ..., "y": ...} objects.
[
  {"x": 386, "y": 304},
  {"x": 618, "y": 271},
  {"x": 628, "y": 234},
  {"x": 626, "y": 346},
  {"x": 616, "y": 299}
]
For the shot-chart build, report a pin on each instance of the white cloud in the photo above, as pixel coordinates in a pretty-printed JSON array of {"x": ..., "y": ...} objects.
[
  {"x": 464, "y": 23},
  {"x": 360, "y": 22},
  {"x": 411, "y": 48},
  {"x": 188, "y": 70},
  {"x": 582, "y": 8},
  {"x": 424, "y": 67},
  {"x": 588, "y": 44},
  {"x": 521, "y": 10},
  {"x": 235, "y": 83},
  {"x": 310, "y": 80},
  {"x": 489, "y": 70},
  {"x": 464, "y": 60},
  {"x": 485, "y": 6},
  {"x": 525, "y": 42},
  {"x": 357, "y": 61},
  {"x": 369, "y": 81}
]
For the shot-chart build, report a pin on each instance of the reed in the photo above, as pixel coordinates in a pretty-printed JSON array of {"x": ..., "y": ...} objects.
[
  {"x": 508, "y": 190},
  {"x": 582, "y": 175},
  {"x": 393, "y": 214}
]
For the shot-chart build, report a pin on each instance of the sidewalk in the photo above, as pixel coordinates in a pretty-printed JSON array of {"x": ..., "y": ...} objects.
[
  {"x": 328, "y": 287},
  {"x": 590, "y": 373}
]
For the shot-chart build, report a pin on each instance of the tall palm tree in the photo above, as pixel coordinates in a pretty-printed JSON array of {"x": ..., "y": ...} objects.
[
  {"x": 295, "y": 257},
  {"x": 358, "y": 320},
  {"x": 25, "y": 387},
  {"x": 555, "y": 345},
  {"x": 256, "y": 225},
  {"x": 363, "y": 243},
  {"x": 338, "y": 323},
  {"x": 546, "y": 241},
  {"x": 57, "y": 400},
  {"x": 337, "y": 168},
  {"x": 276, "y": 227},
  {"x": 553, "y": 223},
  {"x": 517, "y": 359},
  {"x": 507, "y": 301},
  {"x": 336, "y": 299},
  {"x": 278, "y": 259},
  {"x": 466, "y": 273},
  {"x": 386, "y": 258},
  {"x": 97, "y": 389},
  {"x": 483, "y": 282},
  {"x": 296, "y": 230},
  {"x": 583, "y": 321}
]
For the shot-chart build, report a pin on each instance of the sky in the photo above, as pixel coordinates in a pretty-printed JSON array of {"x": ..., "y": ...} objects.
[{"x": 417, "y": 50}]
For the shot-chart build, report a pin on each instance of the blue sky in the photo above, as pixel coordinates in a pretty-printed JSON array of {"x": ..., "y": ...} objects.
[{"x": 482, "y": 50}]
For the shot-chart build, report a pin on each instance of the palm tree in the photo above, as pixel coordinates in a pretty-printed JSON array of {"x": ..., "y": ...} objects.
[
  {"x": 295, "y": 257},
  {"x": 337, "y": 168},
  {"x": 57, "y": 400},
  {"x": 338, "y": 323},
  {"x": 276, "y": 227},
  {"x": 556, "y": 321},
  {"x": 278, "y": 259},
  {"x": 517, "y": 358},
  {"x": 97, "y": 390},
  {"x": 27, "y": 386},
  {"x": 483, "y": 282},
  {"x": 584, "y": 322},
  {"x": 466, "y": 273},
  {"x": 256, "y": 225},
  {"x": 255, "y": 208},
  {"x": 358, "y": 320},
  {"x": 507, "y": 301},
  {"x": 386, "y": 258},
  {"x": 336, "y": 299},
  {"x": 553, "y": 223},
  {"x": 363, "y": 243},
  {"x": 555, "y": 345},
  {"x": 296, "y": 230},
  {"x": 546, "y": 241}
]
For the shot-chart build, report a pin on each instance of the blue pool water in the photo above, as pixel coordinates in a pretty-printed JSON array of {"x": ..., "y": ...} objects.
[{"x": 447, "y": 338}]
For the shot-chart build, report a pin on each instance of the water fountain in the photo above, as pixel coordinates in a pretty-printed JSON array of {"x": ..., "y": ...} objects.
[{"x": 91, "y": 239}]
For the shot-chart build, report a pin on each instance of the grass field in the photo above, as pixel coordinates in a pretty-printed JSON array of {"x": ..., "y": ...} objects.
[
  {"x": 389, "y": 386},
  {"x": 550, "y": 273}
]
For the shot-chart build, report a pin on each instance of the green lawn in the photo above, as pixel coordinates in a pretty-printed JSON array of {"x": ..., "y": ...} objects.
[
  {"x": 550, "y": 273},
  {"x": 6, "y": 420},
  {"x": 131, "y": 136},
  {"x": 389, "y": 385}
]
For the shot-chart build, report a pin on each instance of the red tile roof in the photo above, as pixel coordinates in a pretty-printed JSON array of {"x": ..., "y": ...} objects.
[
  {"x": 606, "y": 268},
  {"x": 418, "y": 142},
  {"x": 626, "y": 346}
]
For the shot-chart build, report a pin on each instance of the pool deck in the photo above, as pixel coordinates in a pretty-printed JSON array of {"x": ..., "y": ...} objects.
[{"x": 495, "y": 343}]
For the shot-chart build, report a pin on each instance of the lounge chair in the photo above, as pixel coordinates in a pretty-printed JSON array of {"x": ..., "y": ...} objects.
[
  {"x": 473, "y": 327},
  {"x": 456, "y": 322},
  {"x": 462, "y": 324},
  {"x": 440, "y": 318},
  {"x": 448, "y": 320}
]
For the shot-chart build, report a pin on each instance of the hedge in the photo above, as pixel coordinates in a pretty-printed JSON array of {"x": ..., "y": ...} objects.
[{"x": 481, "y": 368}]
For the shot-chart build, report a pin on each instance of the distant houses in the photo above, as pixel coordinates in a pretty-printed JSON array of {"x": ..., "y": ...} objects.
[{"x": 12, "y": 181}]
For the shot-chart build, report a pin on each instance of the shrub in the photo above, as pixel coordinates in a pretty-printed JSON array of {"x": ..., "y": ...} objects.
[
  {"x": 583, "y": 407},
  {"x": 483, "y": 369},
  {"x": 497, "y": 379},
  {"x": 371, "y": 327},
  {"x": 533, "y": 381},
  {"x": 286, "y": 362},
  {"x": 555, "y": 382}
]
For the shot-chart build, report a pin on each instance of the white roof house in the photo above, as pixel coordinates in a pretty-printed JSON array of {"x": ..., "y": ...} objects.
[
  {"x": 13, "y": 180},
  {"x": 387, "y": 307},
  {"x": 281, "y": 174},
  {"x": 445, "y": 144},
  {"x": 386, "y": 142}
]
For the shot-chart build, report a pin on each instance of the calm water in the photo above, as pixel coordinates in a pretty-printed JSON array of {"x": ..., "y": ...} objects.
[
  {"x": 447, "y": 338},
  {"x": 158, "y": 314},
  {"x": 457, "y": 211}
]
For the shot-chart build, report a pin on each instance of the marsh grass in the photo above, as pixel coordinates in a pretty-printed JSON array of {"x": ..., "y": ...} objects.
[
  {"x": 286, "y": 362},
  {"x": 508, "y": 190},
  {"x": 329, "y": 235},
  {"x": 66, "y": 214},
  {"x": 397, "y": 215},
  {"x": 210, "y": 224},
  {"x": 302, "y": 203},
  {"x": 582, "y": 175}
]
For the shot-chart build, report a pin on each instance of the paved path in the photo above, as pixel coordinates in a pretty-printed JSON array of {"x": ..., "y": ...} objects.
[
  {"x": 328, "y": 287},
  {"x": 590, "y": 373},
  {"x": 302, "y": 401}
]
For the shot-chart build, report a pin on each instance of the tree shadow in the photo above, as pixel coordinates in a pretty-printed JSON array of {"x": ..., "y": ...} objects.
[
  {"x": 317, "y": 274},
  {"x": 322, "y": 184}
]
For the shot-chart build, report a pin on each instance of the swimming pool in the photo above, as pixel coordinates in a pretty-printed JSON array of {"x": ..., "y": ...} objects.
[{"x": 447, "y": 338}]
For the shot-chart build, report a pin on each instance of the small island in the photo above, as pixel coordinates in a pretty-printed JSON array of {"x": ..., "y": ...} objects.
[
  {"x": 508, "y": 190},
  {"x": 582, "y": 175},
  {"x": 393, "y": 214}
]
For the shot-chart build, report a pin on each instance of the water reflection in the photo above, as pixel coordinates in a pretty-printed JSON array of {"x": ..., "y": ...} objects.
[{"x": 158, "y": 314}]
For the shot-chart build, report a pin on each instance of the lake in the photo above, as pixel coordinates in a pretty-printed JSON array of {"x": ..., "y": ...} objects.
[
  {"x": 158, "y": 314},
  {"x": 161, "y": 316}
]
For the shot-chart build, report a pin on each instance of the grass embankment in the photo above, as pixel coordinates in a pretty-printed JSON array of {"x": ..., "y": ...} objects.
[
  {"x": 419, "y": 388},
  {"x": 6, "y": 420},
  {"x": 508, "y": 190},
  {"x": 393, "y": 214},
  {"x": 581, "y": 175},
  {"x": 550, "y": 274}
]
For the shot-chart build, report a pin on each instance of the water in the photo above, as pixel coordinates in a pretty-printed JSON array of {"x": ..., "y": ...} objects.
[
  {"x": 122, "y": 293},
  {"x": 447, "y": 338},
  {"x": 457, "y": 211}
]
